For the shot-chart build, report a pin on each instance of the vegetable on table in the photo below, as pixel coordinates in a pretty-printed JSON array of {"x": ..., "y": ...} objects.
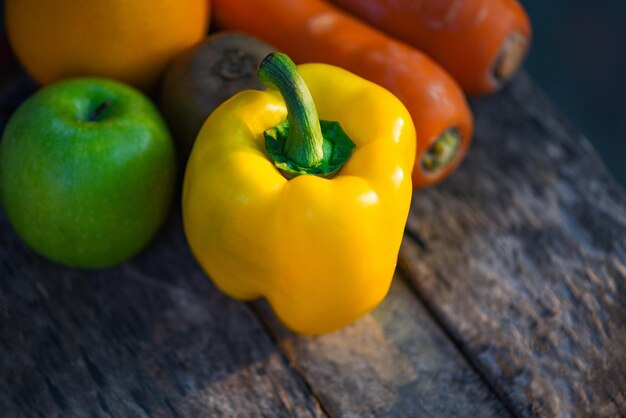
[
  {"x": 315, "y": 31},
  {"x": 481, "y": 43},
  {"x": 308, "y": 214}
]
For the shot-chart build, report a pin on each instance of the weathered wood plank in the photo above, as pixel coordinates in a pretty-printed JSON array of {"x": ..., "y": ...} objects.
[
  {"x": 521, "y": 255},
  {"x": 152, "y": 337},
  {"x": 394, "y": 362}
]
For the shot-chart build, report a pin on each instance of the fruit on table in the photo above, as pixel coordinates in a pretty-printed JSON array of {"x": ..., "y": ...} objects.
[
  {"x": 132, "y": 41},
  {"x": 265, "y": 215},
  {"x": 316, "y": 31},
  {"x": 205, "y": 76},
  {"x": 87, "y": 171}
]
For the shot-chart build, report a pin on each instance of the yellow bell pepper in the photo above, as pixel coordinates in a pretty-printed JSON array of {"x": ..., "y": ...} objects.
[{"x": 263, "y": 220}]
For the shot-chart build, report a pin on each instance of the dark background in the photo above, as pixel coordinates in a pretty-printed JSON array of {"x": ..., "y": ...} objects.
[{"x": 579, "y": 58}]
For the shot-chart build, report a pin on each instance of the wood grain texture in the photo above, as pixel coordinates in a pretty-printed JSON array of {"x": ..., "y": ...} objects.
[
  {"x": 152, "y": 337},
  {"x": 521, "y": 256},
  {"x": 395, "y": 362}
]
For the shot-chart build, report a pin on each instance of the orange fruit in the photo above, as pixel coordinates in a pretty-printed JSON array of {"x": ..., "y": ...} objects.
[{"x": 130, "y": 40}]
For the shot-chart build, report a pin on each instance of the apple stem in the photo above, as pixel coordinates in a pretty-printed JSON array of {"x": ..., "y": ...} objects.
[{"x": 98, "y": 110}]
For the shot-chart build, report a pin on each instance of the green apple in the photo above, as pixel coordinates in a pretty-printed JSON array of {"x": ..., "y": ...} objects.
[{"x": 87, "y": 172}]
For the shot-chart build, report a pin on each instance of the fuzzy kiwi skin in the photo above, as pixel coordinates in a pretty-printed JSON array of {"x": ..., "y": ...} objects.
[{"x": 205, "y": 76}]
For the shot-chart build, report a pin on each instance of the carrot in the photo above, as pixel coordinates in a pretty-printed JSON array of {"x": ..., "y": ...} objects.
[
  {"x": 315, "y": 31},
  {"x": 481, "y": 43}
]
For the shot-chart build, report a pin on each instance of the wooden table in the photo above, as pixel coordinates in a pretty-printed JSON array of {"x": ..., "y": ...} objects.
[{"x": 509, "y": 300}]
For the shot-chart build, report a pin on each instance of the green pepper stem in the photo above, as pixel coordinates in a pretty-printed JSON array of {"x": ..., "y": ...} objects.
[{"x": 304, "y": 143}]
